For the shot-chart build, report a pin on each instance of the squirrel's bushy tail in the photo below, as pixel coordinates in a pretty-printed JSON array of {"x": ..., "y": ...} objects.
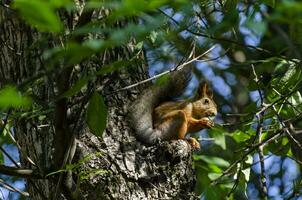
[{"x": 141, "y": 110}]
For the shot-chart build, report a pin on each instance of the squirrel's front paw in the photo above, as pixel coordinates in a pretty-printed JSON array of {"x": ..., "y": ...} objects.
[
  {"x": 207, "y": 122},
  {"x": 194, "y": 143}
]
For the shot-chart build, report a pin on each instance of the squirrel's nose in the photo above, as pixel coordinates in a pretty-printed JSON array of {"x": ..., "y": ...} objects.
[{"x": 212, "y": 113}]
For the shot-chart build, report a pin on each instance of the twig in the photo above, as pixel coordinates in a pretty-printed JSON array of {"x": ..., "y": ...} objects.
[
  {"x": 290, "y": 103},
  {"x": 178, "y": 67},
  {"x": 19, "y": 172},
  {"x": 10, "y": 48},
  {"x": 9, "y": 157},
  {"x": 236, "y": 181},
  {"x": 237, "y": 114},
  {"x": 263, "y": 187},
  {"x": 291, "y": 130},
  {"x": 206, "y": 139},
  {"x": 20, "y": 149},
  {"x": 4, "y": 123},
  {"x": 286, "y": 129},
  {"x": 13, "y": 189},
  {"x": 295, "y": 159}
]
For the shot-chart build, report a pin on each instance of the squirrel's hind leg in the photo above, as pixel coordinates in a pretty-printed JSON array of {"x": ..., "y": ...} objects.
[{"x": 173, "y": 125}]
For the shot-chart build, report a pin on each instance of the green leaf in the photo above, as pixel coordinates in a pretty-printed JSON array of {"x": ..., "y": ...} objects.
[
  {"x": 258, "y": 27},
  {"x": 139, "y": 46},
  {"x": 76, "y": 87},
  {"x": 5, "y": 137},
  {"x": 240, "y": 136},
  {"x": 212, "y": 160},
  {"x": 219, "y": 137},
  {"x": 59, "y": 3},
  {"x": 214, "y": 176},
  {"x": 246, "y": 172},
  {"x": 289, "y": 74},
  {"x": 75, "y": 53},
  {"x": 214, "y": 193},
  {"x": 295, "y": 99},
  {"x": 153, "y": 36},
  {"x": 240, "y": 192},
  {"x": 129, "y": 8},
  {"x": 220, "y": 141},
  {"x": 163, "y": 80},
  {"x": 96, "y": 45},
  {"x": 10, "y": 97},
  {"x": 40, "y": 14},
  {"x": 85, "y": 175},
  {"x": 56, "y": 172},
  {"x": 96, "y": 114}
]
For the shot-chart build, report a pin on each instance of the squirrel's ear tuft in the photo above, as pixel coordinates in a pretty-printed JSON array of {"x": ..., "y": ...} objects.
[
  {"x": 204, "y": 91},
  {"x": 210, "y": 93}
]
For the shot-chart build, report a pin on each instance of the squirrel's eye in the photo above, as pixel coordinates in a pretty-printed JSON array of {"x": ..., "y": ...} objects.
[{"x": 206, "y": 101}]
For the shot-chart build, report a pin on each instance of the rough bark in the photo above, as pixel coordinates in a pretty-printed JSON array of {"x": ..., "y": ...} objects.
[{"x": 123, "y": 168}]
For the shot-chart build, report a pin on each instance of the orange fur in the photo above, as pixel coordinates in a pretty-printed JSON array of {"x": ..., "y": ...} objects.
[{"x": 175, "y": 119}]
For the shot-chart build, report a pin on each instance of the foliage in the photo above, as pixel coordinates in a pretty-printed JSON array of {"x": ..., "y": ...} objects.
[
  {"x": 96, "y": 114},
  {"x": 255, "y": 70},
  {"x": 83, "y": 173}
]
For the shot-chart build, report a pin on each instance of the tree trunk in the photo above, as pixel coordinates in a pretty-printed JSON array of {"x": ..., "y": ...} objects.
[{"x": 115, "y": 166}]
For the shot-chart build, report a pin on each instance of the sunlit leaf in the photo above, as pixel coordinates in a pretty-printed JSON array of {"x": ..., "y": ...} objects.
[
  {"x": 212, "y": 160},
  {"x": 240, "y": 136},
  {"x": 246, "y": 172},
  {"x": 214, "y": 176},
  {"x": 295, "y": 99},
  {"x": 219, "y": 137},
  {"x": 40, "y": 14},
  {"x": 11, "y": 97}
]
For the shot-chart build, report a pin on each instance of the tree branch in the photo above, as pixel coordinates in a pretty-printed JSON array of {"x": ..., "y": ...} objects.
[{"x": 20, "y": 172}]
